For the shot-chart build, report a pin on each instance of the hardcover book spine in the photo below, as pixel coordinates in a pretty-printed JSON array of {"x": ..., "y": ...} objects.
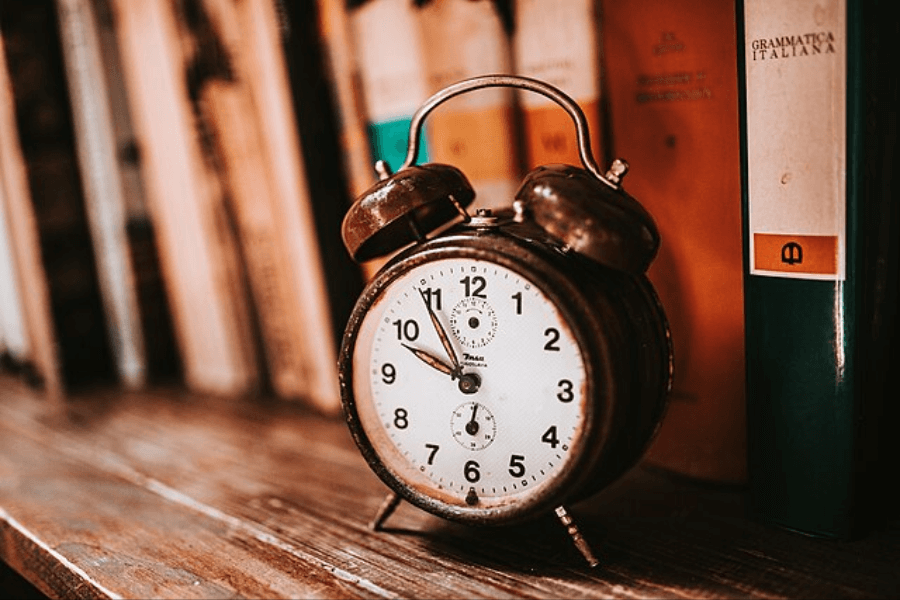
[
  {"x": 392, "y": 74},
  {"x": 558, "y": 42},
  {"x": 344, "y": 78},
  {"x": 475, "y": 132},
  {"x": 820, "y": 282},
  {"x": 15, "y": 200},
  {"x": 672, "y": 93},
  {"x": 43, "y": 120},
  {"x": 14, "y": 343},
  {"x": 104, "y": 201},
  {"x": 392, "y": 81}
]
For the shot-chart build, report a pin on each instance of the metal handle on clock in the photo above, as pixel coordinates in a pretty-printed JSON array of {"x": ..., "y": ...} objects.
[{"x": 525, "y": 83}]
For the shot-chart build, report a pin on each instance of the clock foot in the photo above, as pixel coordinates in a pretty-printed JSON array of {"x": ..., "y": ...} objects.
[
  {"x": 384, "y": 511},
  {"x": 566, "y": 519}
]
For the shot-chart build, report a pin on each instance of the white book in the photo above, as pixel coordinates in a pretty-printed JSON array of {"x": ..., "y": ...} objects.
[
  {"x": 95, "y": 145},
  {"x": 13, "y": 333},
  {"x": 15, "y": 199}
]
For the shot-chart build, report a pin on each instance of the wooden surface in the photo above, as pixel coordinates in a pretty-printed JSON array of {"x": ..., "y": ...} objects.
[{"x": 168, "y": 495}]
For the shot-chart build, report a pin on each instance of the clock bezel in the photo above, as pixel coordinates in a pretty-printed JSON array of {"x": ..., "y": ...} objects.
[{"x": 544, "y": 265}]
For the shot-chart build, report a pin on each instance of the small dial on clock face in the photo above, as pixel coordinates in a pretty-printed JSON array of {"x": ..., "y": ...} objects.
[
  {"x": 469, "y": 383},
  {"x": 473, "y": 322}
]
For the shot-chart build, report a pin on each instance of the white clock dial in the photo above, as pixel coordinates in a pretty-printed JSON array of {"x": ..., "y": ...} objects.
[{"x": 469, "y": 383}]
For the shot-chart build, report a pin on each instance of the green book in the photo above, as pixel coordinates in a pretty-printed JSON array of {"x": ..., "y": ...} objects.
[{"x": 818, "y": 109}]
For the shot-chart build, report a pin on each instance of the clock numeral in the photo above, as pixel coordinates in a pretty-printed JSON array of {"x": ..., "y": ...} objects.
[
  {"x": 434, "y": 448},
  {"x": 474, "y": 286},
  {"x": 550, "y": 437},
  {"x": 516, "y": 465},
  {"x": 566, "y": 394},
  {"x": 552, "y": 335},
  {"x": 432, "y": 297},
  {"x": 518, "y": 298},
  {"x": 401, "y": 418},
  {"x": 407, "y": 329},
  {"x": 388, "y": 373},
  {"x": 471, "y": 471}
]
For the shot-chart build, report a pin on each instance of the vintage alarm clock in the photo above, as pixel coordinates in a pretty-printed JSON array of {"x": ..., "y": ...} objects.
[{"x": 507, "y": 363}]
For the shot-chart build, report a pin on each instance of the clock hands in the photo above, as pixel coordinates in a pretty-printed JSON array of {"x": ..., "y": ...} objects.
[
  {"x": 472, "y": 425},
  {"x": 468, "y": 382},
  {"x": 432, "y": 361},
  {"x": 442, "y": 335}
]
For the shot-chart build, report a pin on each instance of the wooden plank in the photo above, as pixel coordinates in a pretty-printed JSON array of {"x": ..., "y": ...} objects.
[{"x": 144, "y": 494}]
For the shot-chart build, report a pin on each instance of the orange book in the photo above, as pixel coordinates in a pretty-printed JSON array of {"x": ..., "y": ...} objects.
[{"x": 671, "y": 84}]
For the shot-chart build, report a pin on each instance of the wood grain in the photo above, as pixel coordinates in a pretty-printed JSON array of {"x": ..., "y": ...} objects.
[{"x": 167, "y": 495}]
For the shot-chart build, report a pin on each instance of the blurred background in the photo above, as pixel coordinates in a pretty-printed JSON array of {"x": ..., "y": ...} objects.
[{"x": 174, "y": 175}]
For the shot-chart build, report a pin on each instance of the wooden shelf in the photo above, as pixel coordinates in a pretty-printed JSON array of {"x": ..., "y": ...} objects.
[{"x": 167, "y": 495}]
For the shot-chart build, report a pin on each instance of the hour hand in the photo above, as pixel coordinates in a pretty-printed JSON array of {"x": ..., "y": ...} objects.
[
  {"x": 469, "y": 383},
  {"x": 432, "y": 361}
]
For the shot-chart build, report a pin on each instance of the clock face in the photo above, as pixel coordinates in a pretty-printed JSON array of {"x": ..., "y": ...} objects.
[{"x": 469, "y": 385}]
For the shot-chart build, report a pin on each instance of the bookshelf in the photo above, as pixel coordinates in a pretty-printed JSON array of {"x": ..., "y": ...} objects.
[
  {"x": 165, "y": 494},
  {"x": 206, "y": 478}
]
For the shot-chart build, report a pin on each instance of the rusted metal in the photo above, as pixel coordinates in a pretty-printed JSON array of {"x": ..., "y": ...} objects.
[
  {"x": 606, "y": 225},
  {"x": 403, "y": 208}
]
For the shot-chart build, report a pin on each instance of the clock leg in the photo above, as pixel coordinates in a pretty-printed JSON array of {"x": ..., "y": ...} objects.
[
  {"x": 384, "y": 511},
  {"x": 566, "y": 519}
]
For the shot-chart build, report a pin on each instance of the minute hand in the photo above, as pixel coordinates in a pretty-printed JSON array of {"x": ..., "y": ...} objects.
[{"x": 442, "y": 335}]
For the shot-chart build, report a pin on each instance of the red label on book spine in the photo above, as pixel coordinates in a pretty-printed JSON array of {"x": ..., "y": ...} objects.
[{"x": 809, "y": 254}]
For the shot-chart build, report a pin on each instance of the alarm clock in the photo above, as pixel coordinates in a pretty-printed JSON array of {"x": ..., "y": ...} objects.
[{"x": 506, "y": 363}]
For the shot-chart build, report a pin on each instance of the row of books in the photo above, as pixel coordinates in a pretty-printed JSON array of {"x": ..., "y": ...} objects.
[
  {"x": 218, "y": 145},
  {"x": 160, "y": 161}
]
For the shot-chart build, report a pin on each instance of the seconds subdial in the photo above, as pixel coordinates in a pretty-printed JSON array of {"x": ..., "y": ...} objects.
[{"x": 473, "y": 426}]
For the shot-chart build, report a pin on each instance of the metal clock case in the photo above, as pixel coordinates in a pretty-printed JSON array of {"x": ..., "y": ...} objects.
[{"x": 511, "y": 363}]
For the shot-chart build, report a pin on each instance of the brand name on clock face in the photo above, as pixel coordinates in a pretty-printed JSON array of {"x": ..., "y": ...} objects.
[{"x": 473, "y": 360}]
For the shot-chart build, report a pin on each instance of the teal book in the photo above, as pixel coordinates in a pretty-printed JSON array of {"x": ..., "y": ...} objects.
[
  {"x": 392, "y": 74},
  {"x": 818, "y": 99}
]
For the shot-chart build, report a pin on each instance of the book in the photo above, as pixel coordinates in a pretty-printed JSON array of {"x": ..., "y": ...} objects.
[
  {"x": 196, "y": 237},
  {"x": 559, "y": 42},
  {"x": 95, "y": 143},
  {"x": 160, "y": 349},
  {"x": 14, "y": 343},
  {"x": 671, "y": 87},
  {"x": 321, "y": 134},
  {"x": 819, "y": 98},
  {"x": 48, "y": 216},
  {"x": 393, "y": 81},
  {"x": 341, "y": 69},
  {"x": 38, "y": 338},
  {"x": 476, "y": 132}
]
